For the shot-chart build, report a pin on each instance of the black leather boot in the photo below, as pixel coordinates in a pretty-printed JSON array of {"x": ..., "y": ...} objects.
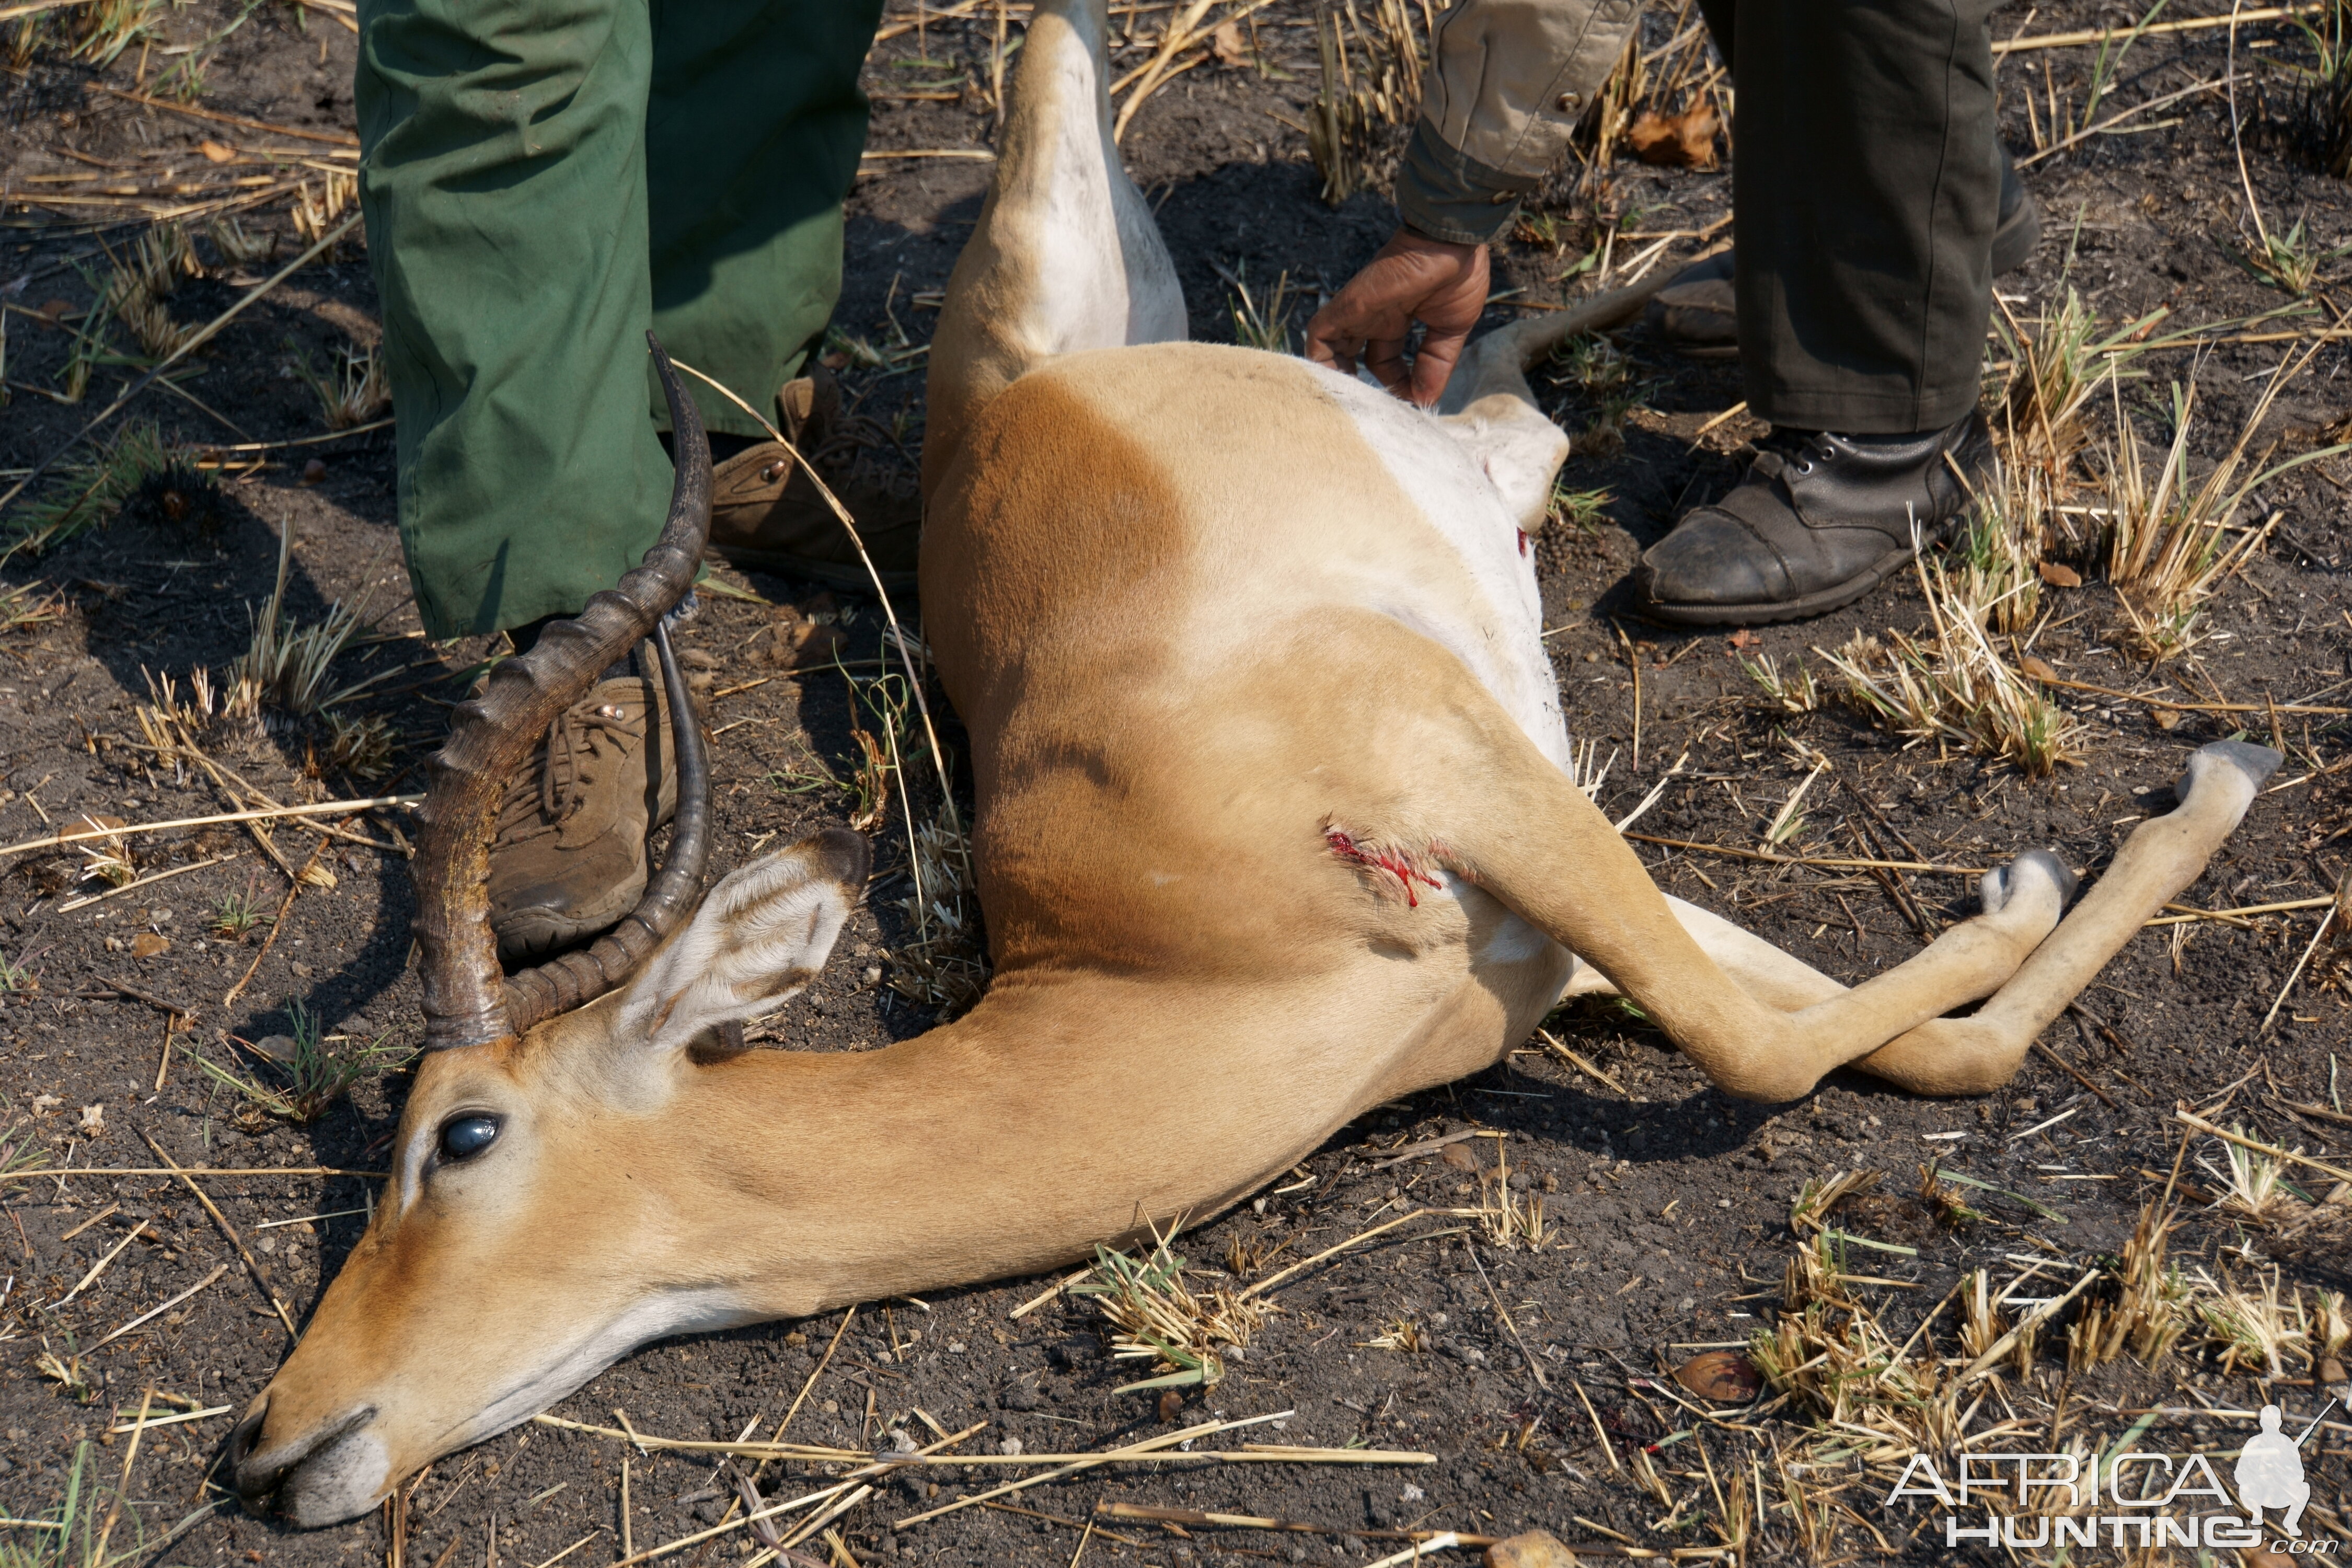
[{"x": 1818, "y": 520}]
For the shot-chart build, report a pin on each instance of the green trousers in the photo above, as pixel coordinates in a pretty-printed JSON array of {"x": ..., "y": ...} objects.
[
  {"x": 545, "y": 180},
  {"x": 1866, "y": 189}
]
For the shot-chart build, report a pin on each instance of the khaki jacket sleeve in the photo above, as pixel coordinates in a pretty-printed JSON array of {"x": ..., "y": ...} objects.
[{"x": 1508, "y": 82}]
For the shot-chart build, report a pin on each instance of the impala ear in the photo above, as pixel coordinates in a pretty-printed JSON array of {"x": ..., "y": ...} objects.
[{"x": 761, "y": 935}]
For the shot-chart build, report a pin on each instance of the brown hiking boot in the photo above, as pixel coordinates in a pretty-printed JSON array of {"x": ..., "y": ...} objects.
[
  {"x": 569, "y": 858},
  {"x": 766, "y": 513}
]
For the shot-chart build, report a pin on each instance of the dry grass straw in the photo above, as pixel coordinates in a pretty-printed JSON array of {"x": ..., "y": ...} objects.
[
  {"x": 303, "y": 1084},
  {"x": 942, "y": 965},
  {"x": 1876, "y": 1403},
  {"x": 952, "y": 841},
  {"x": 1370, "y": 91},
  {"x": 2250, "y": 1325},
  {"x": 1156, "y": 1317},
  {"x": 2044, "y": 410},
  {"x": 1827, "y": 1351},
  {"x": 2145, "y": 1310},
  {"x": 1997, "y": 560},
  {"x": 1952, "y": 684},
  {"x": 2253, "y": 1186},
  {"x": 194, "y": 341}
]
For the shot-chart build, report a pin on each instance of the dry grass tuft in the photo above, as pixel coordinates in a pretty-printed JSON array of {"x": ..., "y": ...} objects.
[
  {"x": 360, "y": 747},
  {"x": 2172, "y": 542},
  {"x": 1261, "y": 316},
  {"x": 354, "y": 389},
  {"x": 69, "y": 1372},
  {"x": 26, "y": 605},
  {"x": 1154, "y": 1316},
  {"x": 1810, "y": 1215},
  {"x": 1875, "y": 1404},
  {"x": 1829, "y": 1353},
  {"x": 1794, "y": 691},
  {"x": 2253, "y": 1185},
  {"x": 146, "y": 277},
  {"x": 2044, "y": 412},
  {"x": 1951, "y": 686},
  {"x": 1507, "y": 1219},
  {"x": 238, "y": 248},
  {"x": 2142, "y": 1308},
  {"x": 943, "y": 966},
  {"x": 318, "y": 209},
  {"x": 2253, "y": 1328},
  {"x": 1944, "y": 1201},
  {"x": 285, "y": 667},
  {"x": 1996, "y": 562}
]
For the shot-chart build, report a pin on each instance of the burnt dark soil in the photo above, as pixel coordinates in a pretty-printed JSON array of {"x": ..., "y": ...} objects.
[{"x": 1667, "y": 1204}]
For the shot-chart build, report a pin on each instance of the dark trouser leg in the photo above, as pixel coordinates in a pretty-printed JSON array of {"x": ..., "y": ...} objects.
[
  {"x": 504, "y": 185},
  {"x": 753, "y": 136},
  {"x": 1866, "y": 188},
  {"x": 505, "y": 182}
]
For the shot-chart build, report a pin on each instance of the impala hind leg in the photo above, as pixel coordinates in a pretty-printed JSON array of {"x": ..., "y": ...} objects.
[
  {"x": 1452, "y": 772},
  {"x": 1981, "y": 1053},
  {"x": 1066, "y": 256}
]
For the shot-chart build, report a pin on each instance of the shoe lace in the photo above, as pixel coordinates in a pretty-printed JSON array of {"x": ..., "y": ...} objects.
[{"x": 549, "y": 794}]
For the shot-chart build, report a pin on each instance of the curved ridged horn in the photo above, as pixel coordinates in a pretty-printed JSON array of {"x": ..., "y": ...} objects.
[{"x": 467, "y": 1001}]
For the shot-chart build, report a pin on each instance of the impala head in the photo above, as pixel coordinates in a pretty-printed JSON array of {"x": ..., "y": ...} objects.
[{"x": 519, "y": 1247}]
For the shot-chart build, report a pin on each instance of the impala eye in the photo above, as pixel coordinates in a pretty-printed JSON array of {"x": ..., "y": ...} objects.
[{"x": 467, "y": 1136}]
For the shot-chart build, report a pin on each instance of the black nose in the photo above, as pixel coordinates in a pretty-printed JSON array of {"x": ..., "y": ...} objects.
[{"x": 252, "y": 1482}]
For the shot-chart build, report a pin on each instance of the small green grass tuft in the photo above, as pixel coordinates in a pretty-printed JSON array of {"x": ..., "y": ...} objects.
[
  {"x": 313, "y": 1074},
  {"x": 2289, "y": 261},
  {"x": 87, "y": 495},
  {"x": 1584, "y": 509},
  {"x": 1261, "y": 316},
  {"x": 236, "y": 916}
]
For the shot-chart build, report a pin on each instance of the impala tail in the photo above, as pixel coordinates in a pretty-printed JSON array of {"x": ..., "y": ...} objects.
[{"x": 1066, "y": 256}]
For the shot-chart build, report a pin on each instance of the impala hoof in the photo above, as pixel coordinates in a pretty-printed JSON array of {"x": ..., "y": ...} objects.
[
  {"x": 2001, "y": 883},
  {"x": 2257, "y": 762}
]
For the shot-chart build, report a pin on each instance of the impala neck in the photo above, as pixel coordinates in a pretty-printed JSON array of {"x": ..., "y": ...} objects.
[{"x": 1003, "y": 1144}]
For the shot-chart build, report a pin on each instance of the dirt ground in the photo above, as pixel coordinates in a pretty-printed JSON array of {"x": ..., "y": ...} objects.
[{"x": 1536, "y": 1388}]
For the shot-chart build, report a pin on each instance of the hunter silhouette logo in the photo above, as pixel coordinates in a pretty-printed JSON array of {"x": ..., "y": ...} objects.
[
  {"x": 2127, "y": 1496},
  {"x": 2270, "y": 1471}
]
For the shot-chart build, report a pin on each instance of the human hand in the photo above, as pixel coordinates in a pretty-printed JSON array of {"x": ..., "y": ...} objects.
[{"x": 1414, "y": 279}]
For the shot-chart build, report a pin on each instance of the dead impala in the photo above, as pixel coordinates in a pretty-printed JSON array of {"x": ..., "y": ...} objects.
[{"x": 1272, "y": 797}]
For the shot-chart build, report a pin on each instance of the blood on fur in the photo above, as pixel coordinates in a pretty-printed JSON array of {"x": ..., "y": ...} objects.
[{"x": 1343, "y": 843}]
